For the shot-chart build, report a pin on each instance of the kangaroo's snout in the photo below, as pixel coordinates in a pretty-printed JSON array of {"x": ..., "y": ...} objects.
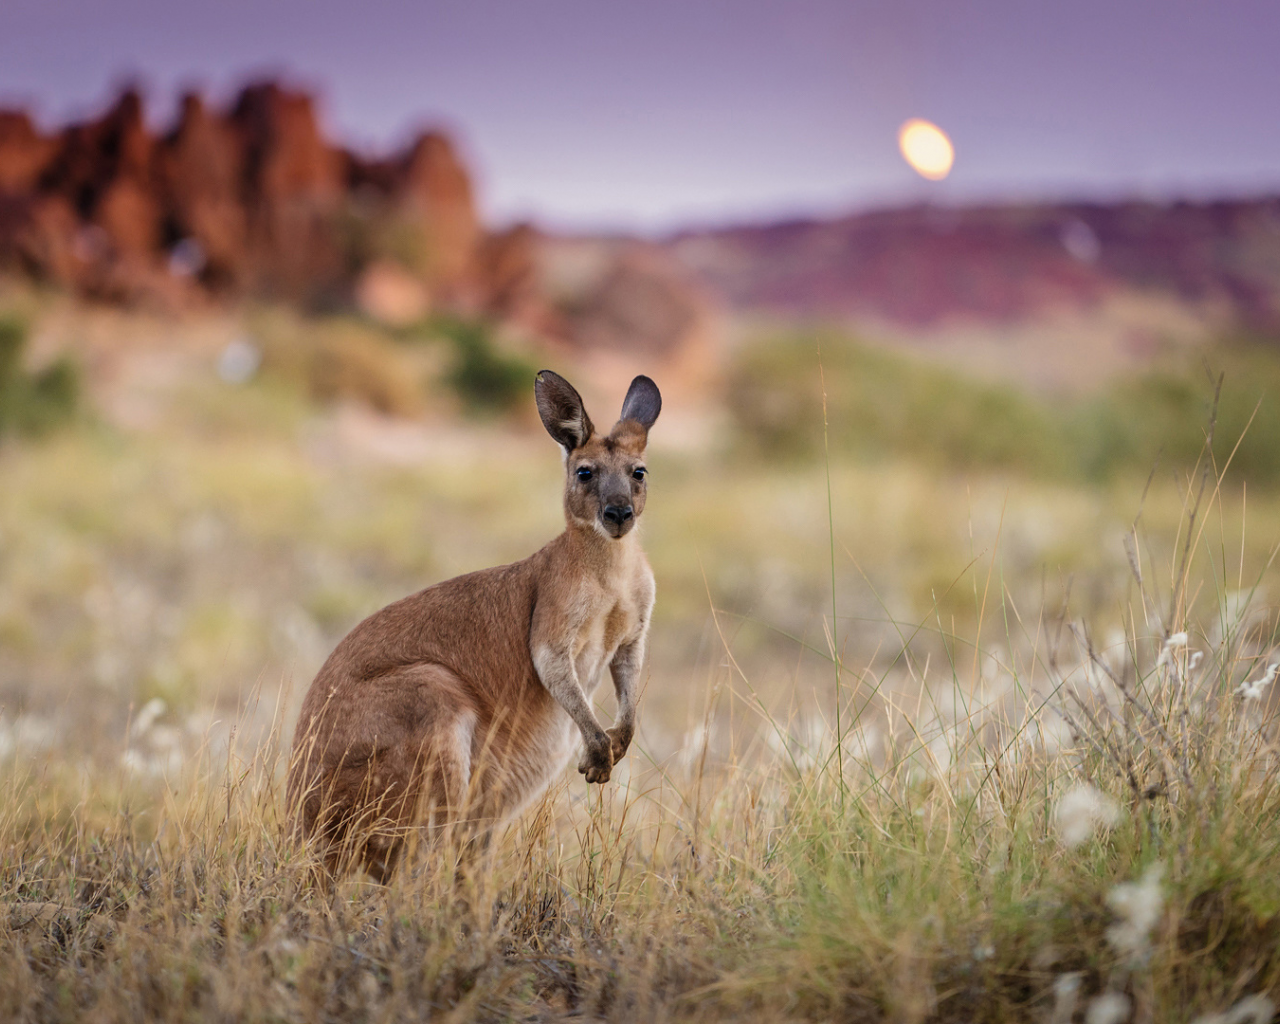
[{"x": 618, "y": 518}]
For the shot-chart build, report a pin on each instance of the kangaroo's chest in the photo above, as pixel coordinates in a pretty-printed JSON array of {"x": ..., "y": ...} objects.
[{"x": 614, "y": 622}]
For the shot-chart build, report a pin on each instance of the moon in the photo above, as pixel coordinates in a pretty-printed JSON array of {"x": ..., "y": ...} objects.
[{"x": 926, "y": 148}]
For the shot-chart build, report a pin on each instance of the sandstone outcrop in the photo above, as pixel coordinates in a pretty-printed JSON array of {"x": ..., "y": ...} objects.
[{"x": 251, "y": 200}]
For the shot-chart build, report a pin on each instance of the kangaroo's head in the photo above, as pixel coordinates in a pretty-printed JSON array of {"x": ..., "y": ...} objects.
[{"x": 604, "y": 474}]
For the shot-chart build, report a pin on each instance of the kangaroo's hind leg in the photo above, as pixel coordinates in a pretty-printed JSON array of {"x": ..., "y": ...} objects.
[
  {"x": 416, "y": 789},
  {"x": 385, "y": 761}
]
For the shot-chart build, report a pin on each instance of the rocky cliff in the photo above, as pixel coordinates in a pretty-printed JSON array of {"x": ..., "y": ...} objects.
[{"x": 249, "y": 200}]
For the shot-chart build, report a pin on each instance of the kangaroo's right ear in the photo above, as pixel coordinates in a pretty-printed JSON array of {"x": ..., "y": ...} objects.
[
  {"x": 643, "y": 402},
  {"x": 560, "y": 407}
]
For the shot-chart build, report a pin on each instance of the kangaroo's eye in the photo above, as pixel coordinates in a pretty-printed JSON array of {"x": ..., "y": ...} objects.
[
  {"x": 638, "y": 473},
  {"x": 584, "y": 473}
]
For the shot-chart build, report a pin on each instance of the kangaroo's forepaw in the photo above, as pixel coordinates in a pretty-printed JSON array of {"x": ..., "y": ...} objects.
[
  {"x": 597, "y": 760},
  {"x": 619, "y": 741}
]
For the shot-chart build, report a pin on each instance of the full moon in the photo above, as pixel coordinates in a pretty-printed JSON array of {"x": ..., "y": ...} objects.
[{"x": 926, "y": 148}]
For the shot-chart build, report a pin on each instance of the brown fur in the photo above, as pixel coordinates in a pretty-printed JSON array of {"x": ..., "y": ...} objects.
[{"x": 458, "y": 704}]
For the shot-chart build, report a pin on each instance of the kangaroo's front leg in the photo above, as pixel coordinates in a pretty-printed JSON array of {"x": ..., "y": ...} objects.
[
  {"x": 625, "y": 668},
  {"x": 560, "y": 677}
]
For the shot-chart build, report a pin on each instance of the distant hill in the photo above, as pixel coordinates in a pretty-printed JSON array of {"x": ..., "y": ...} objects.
[{"x": 924, "y": 266}]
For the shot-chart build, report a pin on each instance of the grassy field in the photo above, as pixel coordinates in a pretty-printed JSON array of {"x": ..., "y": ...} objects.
[{"x": 921, "y": 739}]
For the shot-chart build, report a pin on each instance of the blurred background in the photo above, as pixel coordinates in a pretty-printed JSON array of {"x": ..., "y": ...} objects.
[{"x": 275, "y": 279}]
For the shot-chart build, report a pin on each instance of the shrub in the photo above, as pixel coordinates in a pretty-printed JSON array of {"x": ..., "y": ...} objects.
[
  {"x": 881, "y": 404},
  {"x": 32, "y": 403},
  {"x": 485, "y": 378}
]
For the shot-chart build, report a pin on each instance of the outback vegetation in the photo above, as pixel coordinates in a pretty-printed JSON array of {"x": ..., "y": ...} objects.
[
  {"x": 886, "y": 404},
  {"x": 32, "y": 402},
  {"x": 994, "y": 743}
]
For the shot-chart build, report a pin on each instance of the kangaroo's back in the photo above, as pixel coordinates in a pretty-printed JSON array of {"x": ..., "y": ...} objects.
[{"x": 446, "y": 624}]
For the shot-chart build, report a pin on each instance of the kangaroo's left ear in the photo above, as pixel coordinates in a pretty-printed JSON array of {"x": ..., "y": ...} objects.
[
  {"x": 561, "y": 409},
  {"x": 643, "y": 402}
]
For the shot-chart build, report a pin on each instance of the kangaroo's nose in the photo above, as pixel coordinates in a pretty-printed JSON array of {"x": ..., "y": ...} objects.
[{"x": 617, "y": 514}]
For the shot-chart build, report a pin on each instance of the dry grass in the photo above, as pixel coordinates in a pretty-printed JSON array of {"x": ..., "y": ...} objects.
[{"x": 939, "y": 875}]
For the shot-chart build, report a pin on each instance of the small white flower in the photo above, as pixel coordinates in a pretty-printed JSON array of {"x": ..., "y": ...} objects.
[
  {"x": 1108, "y": 1008},
  {"x": 1137, "y": 906},
  {"x": 1066, "y": 992},
  {"x": 1254, "y": 690},
  {"x": 151, "y": 710},
  {"x": 1171, "y": 646},
  {"x": 1082, "y": 811},
  {"x": 1250, "y": 1010}
]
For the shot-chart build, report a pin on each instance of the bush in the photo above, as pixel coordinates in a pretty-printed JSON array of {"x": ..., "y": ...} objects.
[
  {"x": 485, "y": 378},
  {"x": 880, "y": 404},
  {"x": 32, "y": 403},
  {"x": 883, "y": 404}
]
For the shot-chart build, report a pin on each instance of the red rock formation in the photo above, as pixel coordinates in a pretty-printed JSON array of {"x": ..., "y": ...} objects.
[
  {"x": 293, "y": 193},
  {"x": 508, "y": 263},
  {"x": 24, "y": 153},
  {"x": 435, "y": 192},
  {"x": 201, "y": 167},
  {"x": 254, "y": 201}
]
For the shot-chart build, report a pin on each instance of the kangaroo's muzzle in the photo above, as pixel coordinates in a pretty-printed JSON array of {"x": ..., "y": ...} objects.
[{"x": 618, "y": 519}]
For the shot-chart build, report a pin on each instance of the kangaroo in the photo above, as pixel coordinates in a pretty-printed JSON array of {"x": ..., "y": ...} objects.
[{"x": 458, "y": 705}]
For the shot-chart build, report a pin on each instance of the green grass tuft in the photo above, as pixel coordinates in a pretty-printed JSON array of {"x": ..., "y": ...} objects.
[{"x": 33, "y": 403}]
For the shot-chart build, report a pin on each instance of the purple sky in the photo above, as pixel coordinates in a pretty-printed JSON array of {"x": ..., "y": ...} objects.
[{"x": 650, "y": 114}]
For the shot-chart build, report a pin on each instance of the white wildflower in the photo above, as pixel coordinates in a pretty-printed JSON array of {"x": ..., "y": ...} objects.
[
  {"x": 1108, "y": 1008},
  {"x": 1254, "y": 690},
  {"x": 151, "y": 710},
  {"x": 1250, "y": 1010},
  {"x": 1171, "y": 646},
  {"x": 1082, "y": 811},
  {"x": 1137, "y": 906},
  {"x": 1066, "y": 992}
]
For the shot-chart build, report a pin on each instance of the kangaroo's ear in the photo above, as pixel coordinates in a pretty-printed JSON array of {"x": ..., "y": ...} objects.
[
  {"x": 643, "y": 402},
  {"x": 560, "y": 407}
]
